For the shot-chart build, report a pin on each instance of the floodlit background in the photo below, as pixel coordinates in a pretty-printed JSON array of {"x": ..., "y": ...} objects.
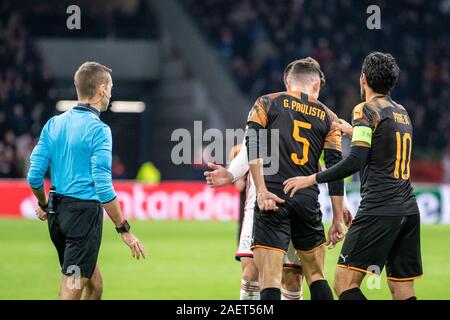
[{"x": 179, "y": 61}]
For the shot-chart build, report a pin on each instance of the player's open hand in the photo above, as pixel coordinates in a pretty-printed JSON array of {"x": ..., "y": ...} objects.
[
  {"x": 343, "y": 126},
  {"x": 41, "y": 214},
  {"x": 268, "y": 201},
  {"x": 335, "y": 234},
  {"x": 292, "y": 185},
  {"x": 136, "y": 246},
  {"x": 218, "y": 177}
]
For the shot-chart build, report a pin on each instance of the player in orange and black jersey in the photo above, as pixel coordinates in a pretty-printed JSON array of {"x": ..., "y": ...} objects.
[
  {"x": 304, "y": 127},
  {"x": 386, "y": 230}
]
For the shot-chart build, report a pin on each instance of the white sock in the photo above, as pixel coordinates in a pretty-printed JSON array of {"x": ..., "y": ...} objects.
[
  {"x": 249, "y": 290},
  {"x": 291, "y": 295}
]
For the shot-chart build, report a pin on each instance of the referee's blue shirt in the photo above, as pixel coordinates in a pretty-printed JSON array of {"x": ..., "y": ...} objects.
[{"x": 77, "y": 146}]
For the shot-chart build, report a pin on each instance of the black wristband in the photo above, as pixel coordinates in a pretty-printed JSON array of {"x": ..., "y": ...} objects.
[{"x": 124, "y": 228}]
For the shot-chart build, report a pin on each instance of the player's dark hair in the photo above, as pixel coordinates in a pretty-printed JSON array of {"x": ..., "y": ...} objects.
[
  {"x": 89, "y": 76},
  {"x": 381, "y": 72},
  {"x": 304, "y": 66}
]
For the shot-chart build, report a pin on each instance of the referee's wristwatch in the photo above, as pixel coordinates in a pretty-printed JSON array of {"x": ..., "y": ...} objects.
[{"x": 124, "y": 227}]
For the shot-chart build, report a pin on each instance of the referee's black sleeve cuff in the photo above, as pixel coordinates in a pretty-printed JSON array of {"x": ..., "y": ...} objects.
[{"x": 110, "y": 200}]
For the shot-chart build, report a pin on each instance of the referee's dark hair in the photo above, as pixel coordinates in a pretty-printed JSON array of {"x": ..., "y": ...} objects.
[
  {"x": 381, "y": 71},
  {"x": 304, "y": 67},
  {"x": 88, "y": 77}
]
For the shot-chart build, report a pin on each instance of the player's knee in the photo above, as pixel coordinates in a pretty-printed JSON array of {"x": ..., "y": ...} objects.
[
  {"x": 94, "y": 289},
  {"x": 340, "y": 283},
  {"x": 338, "y": 288},
  {"x": 401, "y": 292},
  {"x": 271, "y": 278},
  {"x": 249, "y": 272},
  {"x": 97, "y": 291},
  {"x": 97, "y": 288}
]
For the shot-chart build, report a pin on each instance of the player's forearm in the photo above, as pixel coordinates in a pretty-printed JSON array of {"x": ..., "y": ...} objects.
[
  {"x": 256, "y": 170},
  {"x": 239, "y": 165},
  {"x": 114, "y": 212},
  {"x": 350, "y": 165},
  {"x": 40, "y": 195},
  {"x": 337, "y": 203},
  {"x": 253, "y": 154},
  {"x": 333, "y": 157}
]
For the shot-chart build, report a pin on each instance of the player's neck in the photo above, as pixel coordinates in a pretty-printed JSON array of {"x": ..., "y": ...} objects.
[
  {"x": 370, "y": 95},
  {"x": 306, "y": 90}
]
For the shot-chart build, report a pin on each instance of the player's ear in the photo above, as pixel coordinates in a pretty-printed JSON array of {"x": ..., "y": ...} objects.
[
  {"x": 362, "y": 79},
  {"x": 316, "y": 88}
]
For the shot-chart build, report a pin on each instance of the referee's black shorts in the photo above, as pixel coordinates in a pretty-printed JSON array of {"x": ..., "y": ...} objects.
[{"x": 76, "y": 231}]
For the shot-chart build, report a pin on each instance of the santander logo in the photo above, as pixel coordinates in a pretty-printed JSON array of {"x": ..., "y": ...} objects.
[
  {"x": 167, "y": 201},
  {"x": 160, "y": 204}
]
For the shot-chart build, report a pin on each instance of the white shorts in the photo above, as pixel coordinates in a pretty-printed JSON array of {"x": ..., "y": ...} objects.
[{"x": 291, "y": 259}]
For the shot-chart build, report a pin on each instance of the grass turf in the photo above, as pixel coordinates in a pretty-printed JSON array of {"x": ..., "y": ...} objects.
[{"x": 187, "y": 260}]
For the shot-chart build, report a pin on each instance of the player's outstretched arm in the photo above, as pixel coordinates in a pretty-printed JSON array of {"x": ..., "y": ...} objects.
[
  {"x": 350, "y": 165},
  {"x": 218, "y": 177},
  {"x": 221, "y": 177}
]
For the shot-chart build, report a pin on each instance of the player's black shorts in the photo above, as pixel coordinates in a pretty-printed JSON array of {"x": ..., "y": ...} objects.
[
  {"x": 76, "y": 231},
  {"x": 373, "y": 242},
  {"x": 299, "y": 219}
]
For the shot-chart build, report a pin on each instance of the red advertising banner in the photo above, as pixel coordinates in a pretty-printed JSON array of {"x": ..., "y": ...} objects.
[{"x": 166, "y": 201}]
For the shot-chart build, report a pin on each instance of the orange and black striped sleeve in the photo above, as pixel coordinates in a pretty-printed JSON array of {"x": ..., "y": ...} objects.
[
  {"x": 259, "y": 112},
  {"x": 334, "y": 136}
]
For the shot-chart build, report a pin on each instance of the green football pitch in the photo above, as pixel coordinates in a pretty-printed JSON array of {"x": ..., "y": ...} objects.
[{"x": 187, "y": 260}]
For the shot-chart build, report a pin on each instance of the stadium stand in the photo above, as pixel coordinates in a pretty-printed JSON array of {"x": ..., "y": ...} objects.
[
  {"x": 252, "y": 37},
  {"x": 27, "y": 90}
]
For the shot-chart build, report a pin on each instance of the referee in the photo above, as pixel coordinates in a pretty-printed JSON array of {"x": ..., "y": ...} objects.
[{"x": 77, "y": 146}]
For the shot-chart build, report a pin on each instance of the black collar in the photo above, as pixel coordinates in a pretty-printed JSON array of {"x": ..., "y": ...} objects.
[
  {"x": 87, "y": 107},
  {"x": 379, "y": 96}
]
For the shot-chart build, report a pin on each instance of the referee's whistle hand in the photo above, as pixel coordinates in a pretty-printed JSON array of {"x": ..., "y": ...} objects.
[
  {"x": 135, "y": 245},
  {"x": 41, "y": 214}
]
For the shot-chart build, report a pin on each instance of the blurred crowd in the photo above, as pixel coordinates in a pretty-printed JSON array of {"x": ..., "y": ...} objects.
[
  {"x": 258, "y": 38},
  {"x": 99, "y": 18},
  {"x": 27, "y": 90}
]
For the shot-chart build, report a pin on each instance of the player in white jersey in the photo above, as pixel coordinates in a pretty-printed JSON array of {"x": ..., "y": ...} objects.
[{"x": 292, "y": 273}]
